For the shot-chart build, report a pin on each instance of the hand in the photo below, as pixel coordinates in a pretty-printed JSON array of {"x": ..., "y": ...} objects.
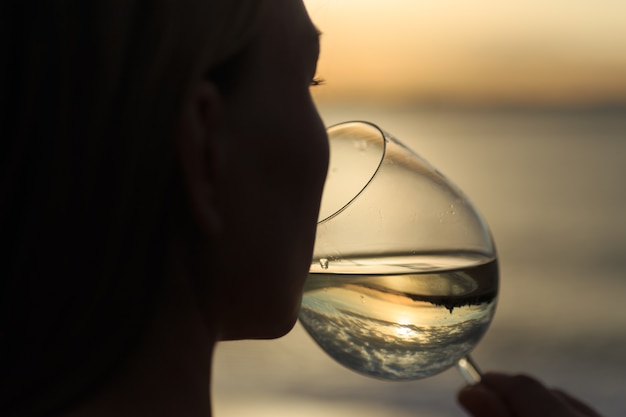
[{"x": 499, "y": 395}]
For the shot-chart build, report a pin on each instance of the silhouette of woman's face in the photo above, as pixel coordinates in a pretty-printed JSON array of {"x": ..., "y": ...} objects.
[{"x": 277, "y": 158}]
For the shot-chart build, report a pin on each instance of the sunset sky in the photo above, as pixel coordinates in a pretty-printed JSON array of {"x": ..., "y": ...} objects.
[{"x": 481, "y": 51}]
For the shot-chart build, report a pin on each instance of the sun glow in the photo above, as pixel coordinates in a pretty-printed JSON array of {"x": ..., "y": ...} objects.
[
  {"x": 485, "y": 50},
  {"x": 404, "y": 331}
]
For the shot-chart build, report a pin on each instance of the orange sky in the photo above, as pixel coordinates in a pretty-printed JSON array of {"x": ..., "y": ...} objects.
[{"x": 535, "y": 51}]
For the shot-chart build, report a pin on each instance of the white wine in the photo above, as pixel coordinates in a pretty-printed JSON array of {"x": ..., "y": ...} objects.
[{"x": 401, "y": 317}]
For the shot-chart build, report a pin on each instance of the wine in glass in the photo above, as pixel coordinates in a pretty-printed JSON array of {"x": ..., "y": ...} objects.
[{"x": 404, "y": 278}]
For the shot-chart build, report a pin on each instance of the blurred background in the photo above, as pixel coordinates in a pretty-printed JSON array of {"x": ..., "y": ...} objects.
[{"x": 523, "y": 106}]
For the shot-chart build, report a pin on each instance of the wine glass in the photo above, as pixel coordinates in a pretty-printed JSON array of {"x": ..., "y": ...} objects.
[{"x": 404, "y": 277}]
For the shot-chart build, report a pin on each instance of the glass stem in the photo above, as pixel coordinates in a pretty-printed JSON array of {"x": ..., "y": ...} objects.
[{"x": 469, "y": 371}]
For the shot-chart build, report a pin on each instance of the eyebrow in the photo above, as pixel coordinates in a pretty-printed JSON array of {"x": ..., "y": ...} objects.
[
  {"x": 313, "y": 38},
  {"x": 316, "y": 35},
  {"x": 310, "y": 31},
  {"x": 310, "y": 41},
  {"x": 313, "y": 35}
]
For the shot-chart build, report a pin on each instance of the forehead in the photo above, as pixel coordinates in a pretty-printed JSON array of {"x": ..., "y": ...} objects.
[
  {"x": 286, "y": 23},
  {"x": 283, "y": 48}
]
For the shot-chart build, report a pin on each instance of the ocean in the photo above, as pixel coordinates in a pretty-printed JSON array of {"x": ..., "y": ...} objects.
[{"x": 551, "y": 185}]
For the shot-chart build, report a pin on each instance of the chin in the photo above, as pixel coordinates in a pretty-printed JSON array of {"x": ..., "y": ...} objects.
[
  {"x": 260, "y": 333},
  {"x": 280, "y": 330},
  {"x": 270, "y": 325}
]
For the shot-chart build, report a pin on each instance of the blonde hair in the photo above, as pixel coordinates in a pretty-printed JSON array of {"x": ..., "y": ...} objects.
[{"x": 91, "y": 98}]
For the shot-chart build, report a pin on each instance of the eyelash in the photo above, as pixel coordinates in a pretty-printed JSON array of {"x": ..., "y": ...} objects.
[{"x": 317, "y": 81}]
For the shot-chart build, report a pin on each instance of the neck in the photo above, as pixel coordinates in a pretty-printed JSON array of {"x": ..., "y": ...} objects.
[{"x": 169, "y": 373}]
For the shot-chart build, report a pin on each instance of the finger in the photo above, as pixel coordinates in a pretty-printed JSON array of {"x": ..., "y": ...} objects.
[
  {"x": 576, "y": 403},
  {"x": 525, "y": 396},
  {"x": 481, "y": 402}
]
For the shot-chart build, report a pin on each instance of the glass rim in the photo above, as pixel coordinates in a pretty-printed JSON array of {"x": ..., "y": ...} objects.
[{"x": 383, "y": 135}]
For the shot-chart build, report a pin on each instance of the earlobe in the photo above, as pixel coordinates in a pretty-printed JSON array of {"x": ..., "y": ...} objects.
[{"x": 197, "y": 144}]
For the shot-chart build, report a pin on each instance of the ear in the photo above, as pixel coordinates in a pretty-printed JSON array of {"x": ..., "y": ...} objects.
[{"x": 198, "y": 152}]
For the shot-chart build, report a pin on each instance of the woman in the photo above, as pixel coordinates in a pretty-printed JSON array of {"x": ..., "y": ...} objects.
[{"x": 162, "y": 169}]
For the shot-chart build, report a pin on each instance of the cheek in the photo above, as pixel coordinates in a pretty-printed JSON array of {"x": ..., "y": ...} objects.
[
  {"x": 293, "y": 180},
  {"x": 299, "y": 175},
  {"x": 276, "y": 184}
]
